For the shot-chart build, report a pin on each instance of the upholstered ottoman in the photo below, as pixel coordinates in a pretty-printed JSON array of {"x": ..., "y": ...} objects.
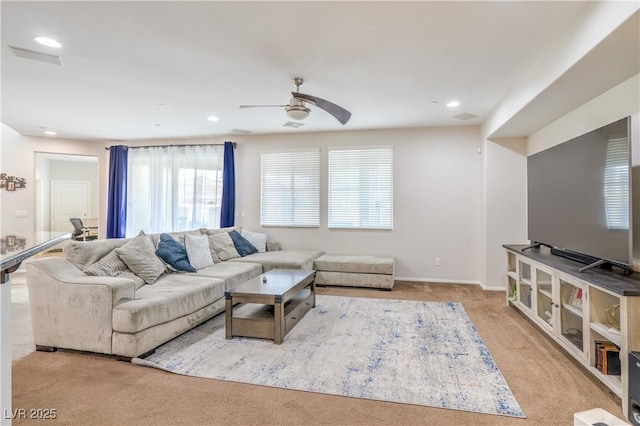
[{"x": 355, "y": 271}]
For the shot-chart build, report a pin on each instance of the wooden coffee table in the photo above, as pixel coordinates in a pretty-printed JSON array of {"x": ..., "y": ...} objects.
[{"x": 270, "y": 305}]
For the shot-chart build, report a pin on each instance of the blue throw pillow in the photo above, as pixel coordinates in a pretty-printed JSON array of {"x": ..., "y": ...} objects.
[
  {"x": 243, "y": 245},
  {"x": 174, "y": 254}
]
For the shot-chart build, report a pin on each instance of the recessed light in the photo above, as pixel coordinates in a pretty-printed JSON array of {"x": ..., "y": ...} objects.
[
  {"x": 50, "y": 132},
  {"x": 213, "y": 118},
  {"x": 49, "y": 42},
  {"x": 453, "y": 104}
]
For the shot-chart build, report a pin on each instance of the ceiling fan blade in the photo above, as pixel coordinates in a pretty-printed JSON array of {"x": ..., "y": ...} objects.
[
  {"x": 341, "y": 114},
  {"x": 262, "y": 106}
]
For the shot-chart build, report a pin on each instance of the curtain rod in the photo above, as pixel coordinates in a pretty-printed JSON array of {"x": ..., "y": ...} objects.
[{"x": 162, "y": 146}]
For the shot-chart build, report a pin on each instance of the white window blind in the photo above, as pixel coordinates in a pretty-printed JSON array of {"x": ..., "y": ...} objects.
[
  {"x": 361, "y": 188},
  {"x": 290, "y": 188},
  {"x": 616, "y": 184}
]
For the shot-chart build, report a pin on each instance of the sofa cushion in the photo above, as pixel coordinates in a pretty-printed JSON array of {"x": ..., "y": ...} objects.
[
  {"x": 355, "y": 263},
  {"x": 223, "y": 246},
  {"x": 198, "y": 250},
  {"x": 257, "y": 239},
  {"x": 283, "y": 259},
  {"x": 140, "y": 256},
  {"x": 174, "y": 254},
  {"x": 241, "y": 244},
  {"x": 233, "y": 273},
  {"x": 351, "y": 279},
  {"x": 172, "y": 296},
  {"x": 113, "y": 266}
]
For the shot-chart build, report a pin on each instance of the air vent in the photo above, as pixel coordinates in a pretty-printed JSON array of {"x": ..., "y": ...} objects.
[
  {"x": 36, "y": 56},
  {"x": 293, "y": 124},
  {"x": 465, "y": 116},
  {"x": 240, "y": 131}
]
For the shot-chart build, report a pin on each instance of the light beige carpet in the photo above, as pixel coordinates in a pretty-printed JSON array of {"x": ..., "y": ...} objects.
[{"x": 93, "y": 390}]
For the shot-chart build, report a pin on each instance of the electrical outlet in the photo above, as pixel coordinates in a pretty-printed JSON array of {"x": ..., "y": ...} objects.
[{"x": 437, "y": 261}]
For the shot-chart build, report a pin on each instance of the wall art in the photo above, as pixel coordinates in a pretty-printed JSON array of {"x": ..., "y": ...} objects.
[{"x": 11, "y": 183}]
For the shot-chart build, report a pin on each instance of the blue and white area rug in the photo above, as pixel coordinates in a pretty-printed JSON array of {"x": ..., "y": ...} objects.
[{"x": 422, "y": 353}]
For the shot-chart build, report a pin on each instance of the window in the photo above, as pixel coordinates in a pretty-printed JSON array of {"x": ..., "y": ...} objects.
[
  {"x": 616, "y": 184},
  {"x": 174, "y": 188},
  {"x": 290, "y": 188},
  {"x": 361, "y": 188}
]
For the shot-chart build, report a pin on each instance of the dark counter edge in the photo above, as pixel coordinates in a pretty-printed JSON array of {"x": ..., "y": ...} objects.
[
  {"x": 11, "y": 263},
  {"x": 614, "y": 281}
]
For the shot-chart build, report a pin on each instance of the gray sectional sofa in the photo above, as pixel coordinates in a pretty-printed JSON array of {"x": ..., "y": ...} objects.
[{"x": 91, "y": 301}]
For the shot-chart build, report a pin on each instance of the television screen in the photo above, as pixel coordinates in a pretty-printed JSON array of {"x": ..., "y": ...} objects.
[{"x": 579, "y": 194}]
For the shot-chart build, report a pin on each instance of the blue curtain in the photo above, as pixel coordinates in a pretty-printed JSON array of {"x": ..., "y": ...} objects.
[
  {"x": 227, "y": 213},
  {"x": 117, "y": 203}
]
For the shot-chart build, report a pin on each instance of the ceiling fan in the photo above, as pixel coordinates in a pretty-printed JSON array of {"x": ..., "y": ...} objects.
[{"x": 297, "y": 109}]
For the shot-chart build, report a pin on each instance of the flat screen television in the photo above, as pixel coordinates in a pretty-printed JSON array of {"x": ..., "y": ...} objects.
[{"x": 579, "y": 197}]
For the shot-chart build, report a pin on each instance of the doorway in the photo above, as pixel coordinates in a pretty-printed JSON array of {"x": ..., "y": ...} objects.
[
  {"x": 69, "y": 199},
  {"x": 67, "y": 187}
]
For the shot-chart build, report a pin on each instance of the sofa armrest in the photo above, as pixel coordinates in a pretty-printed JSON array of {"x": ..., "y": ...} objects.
[
  {"x": 64, "y": 272},
  {"x": 70, "y": 309}
]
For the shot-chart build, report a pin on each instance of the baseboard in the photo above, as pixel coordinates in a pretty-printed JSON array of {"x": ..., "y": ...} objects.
[
  {"x": 495, "y": 288},
  {"x": 448, "y": 281},
  {"x": 438, "y": 280}
]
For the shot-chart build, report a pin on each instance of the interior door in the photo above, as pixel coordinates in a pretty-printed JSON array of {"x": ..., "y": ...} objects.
[{"x": 68, "y": 199}]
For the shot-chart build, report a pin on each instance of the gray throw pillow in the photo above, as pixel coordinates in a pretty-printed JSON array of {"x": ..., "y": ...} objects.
[
  {"x": 113, "y": 266},
  {"x": 223, "y": 246},
  {"x": 140, "y": 256}
]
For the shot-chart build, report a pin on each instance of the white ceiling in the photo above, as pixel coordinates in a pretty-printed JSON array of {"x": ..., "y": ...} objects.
[{"x": 386, "y": 62}]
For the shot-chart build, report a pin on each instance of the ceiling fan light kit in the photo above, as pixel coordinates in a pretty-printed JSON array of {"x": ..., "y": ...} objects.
[{"x": 296, "y": 110}]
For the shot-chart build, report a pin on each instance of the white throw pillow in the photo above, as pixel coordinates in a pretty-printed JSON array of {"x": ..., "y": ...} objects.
[
  {"x": 258, "y": 240},
  {"x": 198, "y": 250}
]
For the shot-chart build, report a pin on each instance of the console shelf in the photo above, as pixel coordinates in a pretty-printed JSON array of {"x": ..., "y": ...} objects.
[{"x": 582, "y": 311}]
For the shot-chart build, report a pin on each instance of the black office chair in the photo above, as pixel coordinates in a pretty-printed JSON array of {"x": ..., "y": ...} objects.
[{"x": 80, "y": 233}]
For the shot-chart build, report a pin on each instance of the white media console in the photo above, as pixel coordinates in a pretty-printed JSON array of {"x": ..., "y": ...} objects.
[{"x": 578, "y": 309}]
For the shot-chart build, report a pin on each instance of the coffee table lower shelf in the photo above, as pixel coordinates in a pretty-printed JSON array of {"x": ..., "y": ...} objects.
[{"x": 259, "y": 320}]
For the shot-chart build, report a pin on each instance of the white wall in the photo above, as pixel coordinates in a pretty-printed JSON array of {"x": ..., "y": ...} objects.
[
  {"x": 18, "y": 158},
  {"x": 437, "y": 183},
  {"x": 43, "y": 175},
  {"x": 437, "y": 178},
  {"x": 616, "y": 103},
  {"x": 505, "y": 175},
  {"x": 582, "y": 35}
]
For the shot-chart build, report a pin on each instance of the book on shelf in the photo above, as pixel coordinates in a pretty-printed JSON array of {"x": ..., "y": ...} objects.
[
  {"x": 607, "y": 357},
  {"x": 575, "y": 298}
]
